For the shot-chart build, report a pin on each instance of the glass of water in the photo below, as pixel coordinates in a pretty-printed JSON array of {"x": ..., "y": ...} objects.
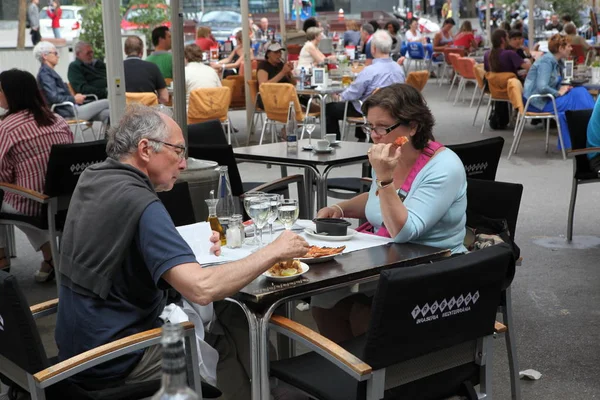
[
  {"x": 247, "y": 197},
  {"x": 288, "y": 212},
  {"x": 259, "y": 212},
  {"x": 274, "y": 202}
]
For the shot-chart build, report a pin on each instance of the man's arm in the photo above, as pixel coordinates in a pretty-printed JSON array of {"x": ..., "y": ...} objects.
[
  {"x": 356, "y": 89},
  {"x": 163, "y": 96}
]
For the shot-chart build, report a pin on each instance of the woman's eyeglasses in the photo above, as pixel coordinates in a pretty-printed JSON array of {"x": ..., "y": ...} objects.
[{"x": 380, "y": 130}]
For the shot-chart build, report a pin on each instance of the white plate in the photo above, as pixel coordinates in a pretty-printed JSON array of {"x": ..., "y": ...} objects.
[
  {"x": 327, "y": 150},
  {"x": 317, "y": 260},
  {"x": 351, "y": 233},
  {"x": 336, "y": 143},
  {"x": 270, "y": 277}
]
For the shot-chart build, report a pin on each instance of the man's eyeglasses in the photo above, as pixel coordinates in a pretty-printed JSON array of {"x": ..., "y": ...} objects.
[
  {"x": 380, "y": 130},
  {"x": 180, "y": 150}
]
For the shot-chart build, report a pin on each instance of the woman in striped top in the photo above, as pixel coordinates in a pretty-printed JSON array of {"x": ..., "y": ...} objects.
[{"x": 27, "y": 132}]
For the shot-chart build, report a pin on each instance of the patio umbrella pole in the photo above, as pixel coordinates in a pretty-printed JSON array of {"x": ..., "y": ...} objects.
[
  {"x": 531, "y": 27},
  {"x": 111, "y": 18},
  {"x": 488, "y": 24},
  {"x": 282, "y": 28},
  {"x": 179, "y": 110}
]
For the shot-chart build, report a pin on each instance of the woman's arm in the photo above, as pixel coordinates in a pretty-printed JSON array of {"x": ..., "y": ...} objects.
[
  {"x": 316, "y": 54},
  {"x": 436, "y": 40},
  {"x": 353, "y": 208}
]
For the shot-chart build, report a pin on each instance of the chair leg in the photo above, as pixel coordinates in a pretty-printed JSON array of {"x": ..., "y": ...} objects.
[
  {"x": 473, "y": 96},
  {"x": 571, "y": 210},
  {"x": 511, "y": 347},
  {"x": 478, "y": 105},
  {"x": 440, "y": 79},
  {"x": 516, "y": 135},
  {"x": 547, "y": 134},
  {"x": 487, "y": 113},
  {"x": 262, "y": 133},
  {"x": 560, "y": 138},
  {"x": 461, "y": 85},
  {"x": 451, "y": 86}
]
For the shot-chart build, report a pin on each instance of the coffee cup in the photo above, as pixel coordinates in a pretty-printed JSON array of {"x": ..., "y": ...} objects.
[
  {"x": 322, "y": 145},
  {"x": 330, "y": 137}
]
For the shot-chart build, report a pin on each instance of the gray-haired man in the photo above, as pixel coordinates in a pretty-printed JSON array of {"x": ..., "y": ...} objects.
[{"x": 114, "y": 285}]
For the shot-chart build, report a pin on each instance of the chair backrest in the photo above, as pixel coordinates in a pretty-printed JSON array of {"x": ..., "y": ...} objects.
[
  {"x": 238, "y": 91},
  {"x": 479, "y": 71},
  {"x": 242, "y": 69},
  {"x": 515, "y": 94},
  {"x": 168, "y": 81},
  {"x": 452, "y": 58},
  {"x": 178, "y": 203},
  {"x": 146, "y": 98},
  {"x": 498, "y": 83},
  {"x": 71, "y": 89},
  {"x": 208, "y": 103},
  {"x": 458, "y": 51},
  {"x": 417, "y": 79},
  {"x": 422, "y": 309},
  {"x": 20, "y": 342},
  {"x": 465, "y": 66},
  {"x": 480, "y": 158},
  {"x": 209, "y": 132},
  {"x": 67, "y": 162},
  {"x": 253, "y": 88},
  {"x": 223, "y": 155},
  {"x": 494, "y": 199},
  {"x": 578, "y": 125},
  {"x": 276, "y": 99},
  {"x": 416, "y": 50}
]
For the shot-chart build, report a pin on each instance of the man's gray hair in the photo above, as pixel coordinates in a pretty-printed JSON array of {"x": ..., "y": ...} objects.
[
  {"x": 382, "y": 41},
  {"x": 368, "y": 28},
  {"x": 139, "y": 122},
  {"x": 80, "y": 46},
  {"x": 41, "y": 49}
]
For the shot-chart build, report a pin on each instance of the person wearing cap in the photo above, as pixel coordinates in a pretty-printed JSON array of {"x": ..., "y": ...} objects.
[
  {"x": 273, "y": 70},
  {"x": 310, "y": 55}
]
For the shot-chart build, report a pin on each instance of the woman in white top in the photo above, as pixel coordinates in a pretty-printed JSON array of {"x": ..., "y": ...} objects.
[
  {"x": 413, "y": 35},
  {"x": 310, "y": 54},
  {"x": 197, "y": 74}
]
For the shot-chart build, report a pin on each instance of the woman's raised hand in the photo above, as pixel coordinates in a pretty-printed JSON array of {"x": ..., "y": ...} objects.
[{"x": 384, "y": 159}]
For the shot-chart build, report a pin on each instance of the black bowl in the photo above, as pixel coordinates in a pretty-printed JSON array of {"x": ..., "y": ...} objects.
[{"x": 331, "y": 226}]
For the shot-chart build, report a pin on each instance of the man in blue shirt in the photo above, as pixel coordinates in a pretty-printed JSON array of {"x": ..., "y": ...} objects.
[
  {"x": 593, "y": 137},
  {"x": 121, "y": 251},
  {"x": 381, "y": 73}
]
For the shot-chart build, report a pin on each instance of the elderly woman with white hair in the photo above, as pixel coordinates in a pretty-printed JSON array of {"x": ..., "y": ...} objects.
[
  {"x": 310, "y": 54},
  {"x": 55, "y": 90}
]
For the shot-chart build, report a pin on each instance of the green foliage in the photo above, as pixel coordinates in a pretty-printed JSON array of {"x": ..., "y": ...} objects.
[
  {"x": 92, "y": 30},
  {"x": 150, "y": 16},
  {"x": 569, "y": 7}
]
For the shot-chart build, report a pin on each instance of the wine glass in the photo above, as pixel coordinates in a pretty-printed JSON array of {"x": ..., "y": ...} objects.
[
  {"x": 247, "y": 197},
  {"x": 288, "y": 212},
  {"x": 259, "y": 212},
  {"x": 310, "y": 127},
  {"x": 274, "y": 202}
]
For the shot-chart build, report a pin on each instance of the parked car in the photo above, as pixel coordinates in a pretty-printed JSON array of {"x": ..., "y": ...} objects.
[
  {"x": 70, "y": 23},
  {"x": 223, "y": 23},
  {"x": 127, "y": 24}
]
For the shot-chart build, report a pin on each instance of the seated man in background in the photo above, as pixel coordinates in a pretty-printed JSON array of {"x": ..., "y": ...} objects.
[
  {"x": 383, "y": 72},
  {"x": 142, "y": 76},
  {"x": 86, "y": 74},
  {"x": 116, "y": 286},
  {"x": 366, "y": 32},
  {"x": 197, "y": 74},
  {"x": 161, "y": 56}
]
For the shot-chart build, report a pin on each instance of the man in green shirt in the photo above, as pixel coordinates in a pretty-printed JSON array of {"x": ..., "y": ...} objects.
[
  {"x": 87, "y": 75},
  {"x": 161, "y": 39}
]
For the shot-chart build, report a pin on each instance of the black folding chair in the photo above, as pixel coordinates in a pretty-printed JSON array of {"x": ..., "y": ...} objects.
[
  {"x": 24, "y": 365},
  {"x": 209, "y": 132},
  {"x": 178, "y": 203},
  {"x": 582, "y": 173},
  {"x": 430, "y": 336},
  {"x": 480, "y": 158}
]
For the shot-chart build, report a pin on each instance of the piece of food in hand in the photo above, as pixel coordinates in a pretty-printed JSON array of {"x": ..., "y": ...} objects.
[
  {"x": 286, "y": 268},
  {"x": 316, "y": 251},
  {"x": 401, "y": 141}
]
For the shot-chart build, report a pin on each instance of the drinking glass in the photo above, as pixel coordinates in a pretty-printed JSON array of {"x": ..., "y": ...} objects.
[
  {"x": 247, "y": 197},
  {"x": 310, "y": 127},
  {"x": 288, "y": 213},
  {"x": 274, "y": 202},
  {"x": 259, "y": 212}
]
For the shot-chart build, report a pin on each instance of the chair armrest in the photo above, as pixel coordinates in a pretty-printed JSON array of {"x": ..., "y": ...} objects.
[
  {"x": 325, "y": 347},
  {"x": 27, "y": 193},
  {"x": 64, "y": 103},
  {"x": 107, "y": 352},
  {"x": 500, "y": 328},
  {"x": 278, "y": 183},
  {"x": 92, "y": 95},
  {"x": 45, "y": 308},
  {"x": 580, "y": 152},
  {"x": 366, "y": 180}
]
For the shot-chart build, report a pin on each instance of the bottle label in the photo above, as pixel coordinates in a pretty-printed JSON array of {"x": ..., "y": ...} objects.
[{"x": 292, "y": 138}]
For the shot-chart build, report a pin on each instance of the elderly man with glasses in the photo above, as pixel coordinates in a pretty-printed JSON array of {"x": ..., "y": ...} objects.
[
  {"x": 115, "y": 285},
  {"x": 87, "y": 74},
  {"x": 383, "y": 72}
]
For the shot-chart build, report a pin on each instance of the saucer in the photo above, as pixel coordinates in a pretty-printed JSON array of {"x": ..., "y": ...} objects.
[{"x": 327, "y": 150}]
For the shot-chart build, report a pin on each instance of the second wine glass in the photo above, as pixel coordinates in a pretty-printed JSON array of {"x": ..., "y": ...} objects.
[
  {"x": 247, "y": 197},
  {"x": 288, "y": 212},
  {"x": 274, "y": 203}
]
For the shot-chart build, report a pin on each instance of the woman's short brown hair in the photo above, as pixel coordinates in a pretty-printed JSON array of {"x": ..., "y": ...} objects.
[
  {"x": 352, "y": 25},
  {"x": 192, "y": 53},
  {"x": 556, "y": 42},
  {"x": 405, "y": 103},
  {"x": 203, "y": 32}
]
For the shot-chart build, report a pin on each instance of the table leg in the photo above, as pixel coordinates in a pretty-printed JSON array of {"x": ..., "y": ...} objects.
[
  {"x": 263, "y": 348},
  {"x": 323, "y": 116},
  {"x": 321, "y": 191}
]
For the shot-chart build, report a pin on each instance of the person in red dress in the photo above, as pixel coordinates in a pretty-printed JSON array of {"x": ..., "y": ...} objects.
[
  {"x": 55, "y": 12},
  {"x": 465, "y": 37},
  {"x": 204, "y": 38}
]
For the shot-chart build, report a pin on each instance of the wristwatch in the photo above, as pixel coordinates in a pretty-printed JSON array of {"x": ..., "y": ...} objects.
[{"x": 383, "y": 184}]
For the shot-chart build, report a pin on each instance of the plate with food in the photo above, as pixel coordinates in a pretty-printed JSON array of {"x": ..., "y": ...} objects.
[
  {"x": 318, "y": 254},
  {"x": 286, "y": 271}
]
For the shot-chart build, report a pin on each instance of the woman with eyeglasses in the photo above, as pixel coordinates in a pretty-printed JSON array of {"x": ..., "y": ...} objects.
[
  {"x": 56, "y": 91},
  {"x": 418, "y": 195},
  {"x": 27, "y": 132}
]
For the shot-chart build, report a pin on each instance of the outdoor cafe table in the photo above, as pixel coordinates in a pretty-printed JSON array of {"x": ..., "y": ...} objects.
[
  {"x": 346, "y": 153},
  {"x": 261, "y": 297},
  {"x": 322, "y": 94}
]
